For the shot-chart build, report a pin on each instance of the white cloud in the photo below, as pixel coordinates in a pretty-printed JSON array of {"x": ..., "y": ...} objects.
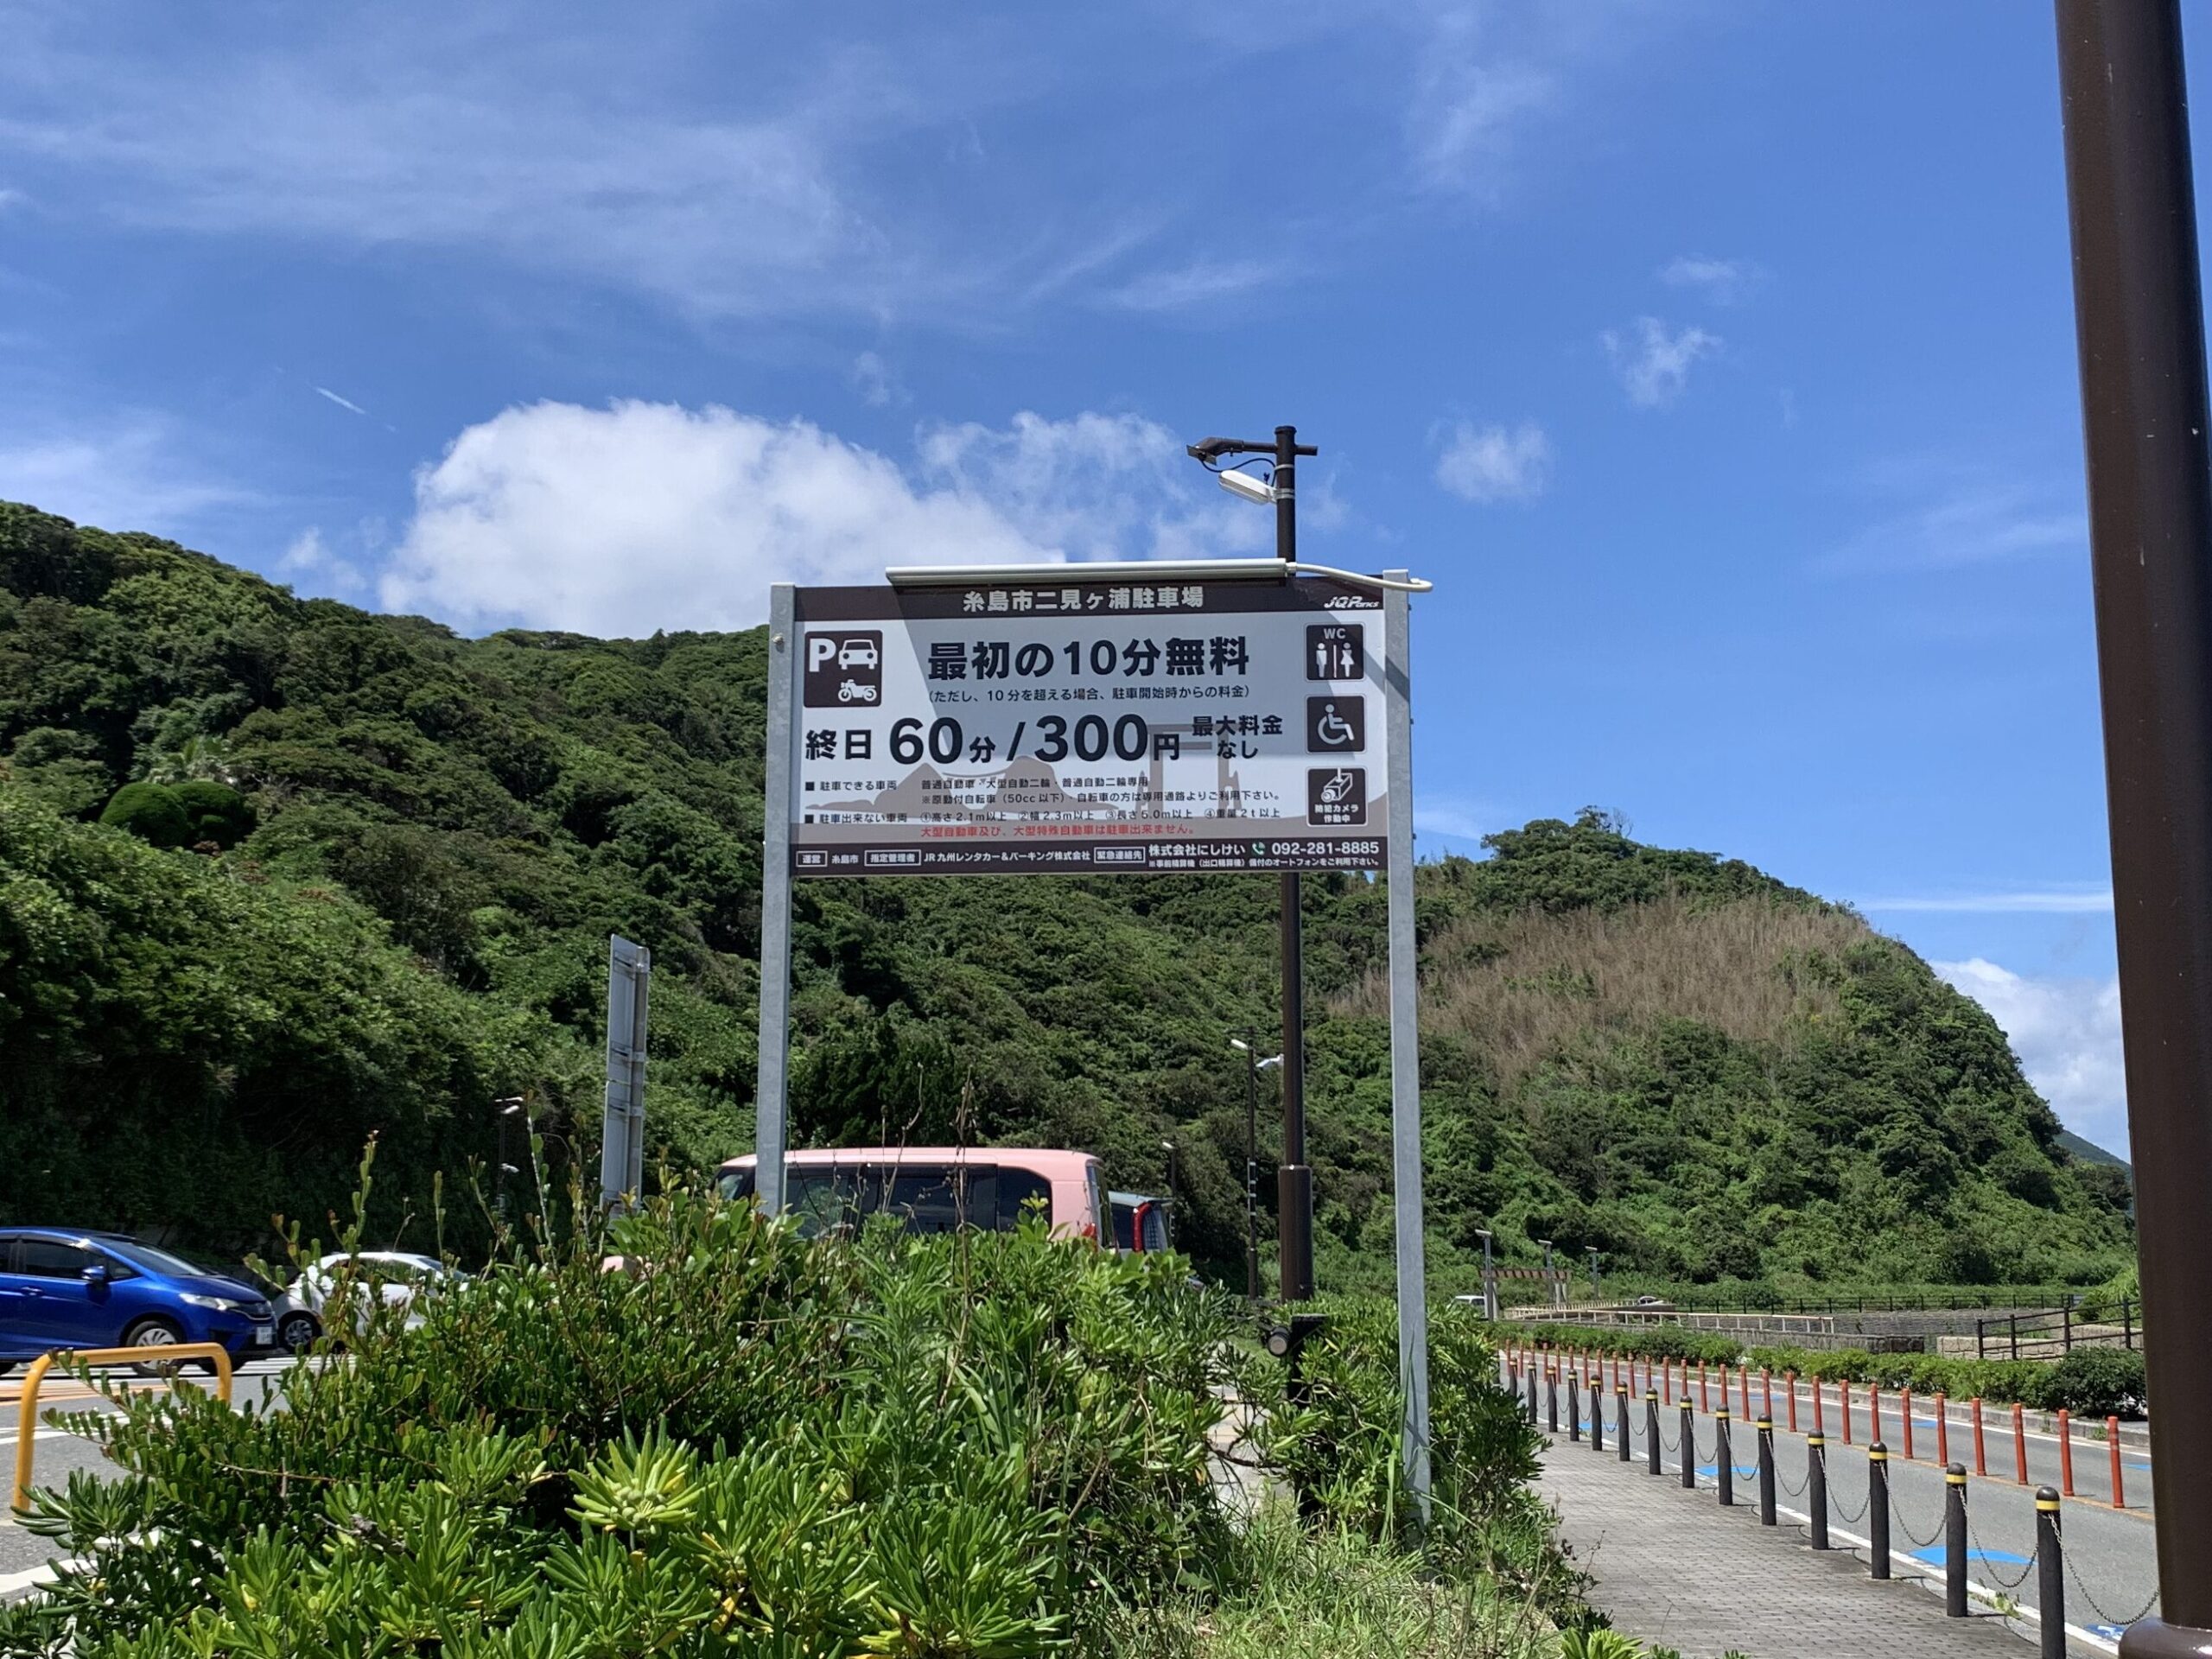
[
  {"x": 1203, "y": 282},
  {"x": 1653, "y": 363},
  {"x": 1722, "y": 281},
  {"x": 131, "y": 474},
  {"x": 1495, "y": 463},
  {"x": 1974, "y": 523},
  {"x": 1451, "y": 818},
  {"x": 310, "y": 561},
  {"x": 2067, "y": 1034},
  {"x": 641, "y": 516},
  {"x": 872, "y": 378},
  {"x": 2057, "y": 901}
]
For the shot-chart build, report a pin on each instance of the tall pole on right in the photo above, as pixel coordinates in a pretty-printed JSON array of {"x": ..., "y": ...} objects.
[
  {"x": 1294, "y": 1178},
  {"x": 2138, "y": 314}
]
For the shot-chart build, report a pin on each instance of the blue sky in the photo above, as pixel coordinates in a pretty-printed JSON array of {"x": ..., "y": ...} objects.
[{"x": 1716, "y": 361}]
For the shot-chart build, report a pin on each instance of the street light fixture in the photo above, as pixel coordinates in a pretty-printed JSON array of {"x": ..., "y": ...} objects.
[
  {"x": 1170, "y": 1145},
  {"x": 1294, "y": 1178},
  {"x": 506, "y": 1108}
]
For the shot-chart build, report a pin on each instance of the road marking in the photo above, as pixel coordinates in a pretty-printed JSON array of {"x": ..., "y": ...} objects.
[{"x": 13, "y": 1584}]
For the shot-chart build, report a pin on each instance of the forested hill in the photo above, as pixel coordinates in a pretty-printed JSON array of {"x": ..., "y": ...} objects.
[{"x": 357, "y": 872}]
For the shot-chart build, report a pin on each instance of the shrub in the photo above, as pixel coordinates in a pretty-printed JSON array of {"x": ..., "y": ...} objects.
[
  {"x": 216, "y": 811},
  {"x": 2090, "y": 1382},
  {"x": 150, "y": 812}
]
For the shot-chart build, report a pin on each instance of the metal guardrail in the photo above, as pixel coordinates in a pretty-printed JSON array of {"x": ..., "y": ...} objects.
[
  {"x": 34, "y": 1378},
  {"x": 2063, "y": 1328}
]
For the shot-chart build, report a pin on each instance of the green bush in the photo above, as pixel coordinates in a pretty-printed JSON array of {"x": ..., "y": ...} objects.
[
  {"x": 975, "y": 1446},
  {"x": 2090, "y": 1382},
  {"x": 216, "y": 811},
  {"x": 150, "y": 812}
]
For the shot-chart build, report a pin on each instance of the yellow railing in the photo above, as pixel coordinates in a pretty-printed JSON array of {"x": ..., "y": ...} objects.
[{"x": 26, "y": 1417}]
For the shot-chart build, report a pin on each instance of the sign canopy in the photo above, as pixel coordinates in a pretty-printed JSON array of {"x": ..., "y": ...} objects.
[{"x": 1064, "y": 723}]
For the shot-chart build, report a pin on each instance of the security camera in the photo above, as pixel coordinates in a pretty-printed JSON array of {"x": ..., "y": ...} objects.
[{"x": 1250, "y": 488}]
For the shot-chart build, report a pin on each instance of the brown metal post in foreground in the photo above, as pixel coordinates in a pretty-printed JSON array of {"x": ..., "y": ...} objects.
[{"x": 2139, "y": 312}]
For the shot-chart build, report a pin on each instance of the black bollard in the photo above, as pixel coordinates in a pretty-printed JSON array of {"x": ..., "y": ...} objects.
[
  {"x": 1878, "y": 1509},
  {"x": 2050, "y": 1575},
  {"x": 1816, "y": 1486},
  {"x": 1551, "y": 1398},
  {"x": 1954, "y": 1542},
  {"x": 1620, "y": 1419},
  {"x": 1766, "y": 1472},
  {"x": 1597, "y": 1416},
  {"x": 1724, "y": 1458},
  {"x": 1651, "y": 1430},
  {"x": 1574, "y": 1410},
  {"x": 1689, "y": 1447},
  {"x": 1532, "y": 1394}
]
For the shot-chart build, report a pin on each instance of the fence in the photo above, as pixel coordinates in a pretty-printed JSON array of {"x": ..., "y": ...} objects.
[
  {"x": 2040, "y": 1333},
  {"x": 1592, "y": 1377},
  {"x": 1753, "y": 1299}
]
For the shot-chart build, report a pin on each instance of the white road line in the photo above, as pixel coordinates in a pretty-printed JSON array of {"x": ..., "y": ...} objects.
[{"x": 14, "y": 1584}]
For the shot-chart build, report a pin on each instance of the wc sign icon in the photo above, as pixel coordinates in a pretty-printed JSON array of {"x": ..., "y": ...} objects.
[
  {"x": 1335, "y": 651},
  {"x": 844, "y": 669}
]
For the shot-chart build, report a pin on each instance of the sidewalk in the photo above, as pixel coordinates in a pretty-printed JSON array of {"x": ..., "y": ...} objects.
[{"x": 1673, "y": 1569}]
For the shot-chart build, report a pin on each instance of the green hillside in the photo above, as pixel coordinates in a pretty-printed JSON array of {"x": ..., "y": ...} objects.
[{"x": 207, "y": 1002}]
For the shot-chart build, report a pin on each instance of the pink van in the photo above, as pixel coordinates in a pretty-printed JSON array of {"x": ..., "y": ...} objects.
[{"x": 935, "y": 1189}]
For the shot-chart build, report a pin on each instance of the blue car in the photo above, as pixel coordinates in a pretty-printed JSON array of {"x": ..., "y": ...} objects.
[{"x": 61, "y": 1288}]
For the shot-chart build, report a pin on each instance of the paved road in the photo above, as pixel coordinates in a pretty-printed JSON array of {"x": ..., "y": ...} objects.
[
  {"x": 1671, "y": 1567},
  {"x": 59, "y": 1452},
  {"x": 2113, "y": 1577}
]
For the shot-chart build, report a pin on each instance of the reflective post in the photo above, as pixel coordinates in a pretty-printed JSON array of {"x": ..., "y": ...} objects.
[
  {"x": 1877, "y": 1508},
  {"x": 2112, "y": 1440},
  {"x": 2065, "y": 1452},
  {"x": 2050, "y": 1575},
  {"x": 1981, "y": 1451},
  {"x": 1942, "y": 1428},
  {"x": 1954, "y": 1539},
  {"x": 1723, "y": 1461},
  {"x": 1816, "y": 1486},
  {"x": 1766, "y": 1472}
]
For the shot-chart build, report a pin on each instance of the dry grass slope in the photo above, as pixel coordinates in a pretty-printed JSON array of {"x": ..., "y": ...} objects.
[{"x": 1520, "y": 989}]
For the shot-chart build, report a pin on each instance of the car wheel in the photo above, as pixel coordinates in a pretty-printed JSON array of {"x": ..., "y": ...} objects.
[
  {"x": 295, "y": 1330},
  {"x": 154, "y": 1333}
]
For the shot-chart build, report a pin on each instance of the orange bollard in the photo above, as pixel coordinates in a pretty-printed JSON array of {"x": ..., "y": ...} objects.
[
  {"x": 1743, "y": 1388},
  {"x": 1943, "y": 1429},
  {"x": 1874, "y": 1412},
  {"x": 1704, "y": 1401},
  {"x": 1766, "y": 1390},
  {"x": 1843, "y": 1392},
  {"x": 1980, "y": 1452},
  {"x": 1820, "y": 1394},
  {"x": 1790, "y": 1384},
  {"x": 2019, "y": 1444},
  {"x": 2111, "y": 1439},
  {"x": 2065, "y": 1453},
  {"x": 1904, "y": 1410}
]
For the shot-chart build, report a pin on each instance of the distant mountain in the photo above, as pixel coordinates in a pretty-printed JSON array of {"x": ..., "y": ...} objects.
[
  {"x": 207, "y": 1003},
  {"x": 2090, "y": 1152}
]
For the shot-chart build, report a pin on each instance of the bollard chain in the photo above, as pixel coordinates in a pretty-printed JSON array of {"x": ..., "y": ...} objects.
[
  {"x": 1929, "y": 1542},
  {"x": 1846, "y": 1515},
  {"x": 2002, "y": 1583},
  {"x": 2103, "y": 1618}
]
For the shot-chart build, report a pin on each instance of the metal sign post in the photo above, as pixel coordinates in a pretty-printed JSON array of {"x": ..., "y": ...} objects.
[
  {"x": 768, "y": 1090},
  {"x": 1405, "y": 1050},
  {"x": 622, "y": 1128}
]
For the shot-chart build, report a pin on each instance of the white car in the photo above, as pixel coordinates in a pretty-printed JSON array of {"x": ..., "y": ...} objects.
[{"x": 398, "y": 1277}]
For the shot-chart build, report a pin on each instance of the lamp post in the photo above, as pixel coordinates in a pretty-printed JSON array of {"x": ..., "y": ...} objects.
[
  {"x": 1490, "y": 1279},
  {"x": 2140, "y": 315},
  {"x": 1253, "y": 1066},
  {"x": 1551, "y": 1288},
  {"x": 508, "y": 1109},
  {"x": 1595, "y": 1293},
  {"x": 1294, "y": 1179}
]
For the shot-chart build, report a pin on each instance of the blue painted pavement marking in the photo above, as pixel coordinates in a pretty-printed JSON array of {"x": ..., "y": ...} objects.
[
  {"x": 2110, "y": 1632},
  {"x": 1934, "y": 1555}
]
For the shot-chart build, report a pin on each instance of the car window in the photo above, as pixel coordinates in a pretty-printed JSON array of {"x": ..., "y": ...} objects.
[
  {"x": 737, "y": 1184},
  {"x": 154, "y": 1261},
  {"x": 1019, "y": 1188},
  {"x": 938, "y": 1198},
  {"x": 47, "y": 1258}
]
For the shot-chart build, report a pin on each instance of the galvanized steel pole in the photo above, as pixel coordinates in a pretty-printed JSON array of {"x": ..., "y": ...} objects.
[{"x": 2138, "y": 313}]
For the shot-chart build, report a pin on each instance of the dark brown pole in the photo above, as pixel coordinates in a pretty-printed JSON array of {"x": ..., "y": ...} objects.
[
  {"x": 1294, "y": 1180},
  {"x": 2139, "y": 312}
]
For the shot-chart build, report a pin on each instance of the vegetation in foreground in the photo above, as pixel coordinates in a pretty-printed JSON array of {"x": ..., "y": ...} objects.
[
  {"x": 978, "y": 1446},
  {"x": 276, "y": 873}
]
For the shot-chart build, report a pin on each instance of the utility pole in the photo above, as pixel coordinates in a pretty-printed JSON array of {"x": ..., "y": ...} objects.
[
  {"x": 2139, "y": 311},
  {"x": 1294, "y": 1178},
  {"x": 1251, "y": 1044},
  {"x": 1490, "y": 1277},
  {"x": 622, "y": 1134}
]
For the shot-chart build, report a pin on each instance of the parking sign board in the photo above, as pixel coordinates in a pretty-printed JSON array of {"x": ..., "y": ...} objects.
[{"x": 1076, "y": 725}]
